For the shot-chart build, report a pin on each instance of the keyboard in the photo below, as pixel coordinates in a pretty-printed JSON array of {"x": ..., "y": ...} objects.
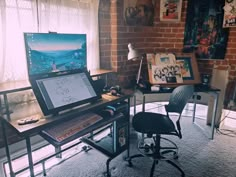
[{"x": 73, "y": 126}]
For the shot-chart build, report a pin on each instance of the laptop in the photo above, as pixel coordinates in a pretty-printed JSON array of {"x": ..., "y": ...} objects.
[{"x": 60, "y": 91}]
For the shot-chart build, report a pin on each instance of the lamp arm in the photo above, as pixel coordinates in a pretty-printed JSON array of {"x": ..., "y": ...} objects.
[{"x": 139, "y": 71}]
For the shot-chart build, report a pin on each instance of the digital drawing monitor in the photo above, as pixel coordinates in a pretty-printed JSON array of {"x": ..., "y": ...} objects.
[
  {"x": 55, "y": 52},
  {"x": 60, "y": 91}
]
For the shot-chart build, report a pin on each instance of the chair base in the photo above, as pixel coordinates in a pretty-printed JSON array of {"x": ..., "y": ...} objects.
[
  {"x": 150, "y": 147},
  {"x": 167, "y": 151}
]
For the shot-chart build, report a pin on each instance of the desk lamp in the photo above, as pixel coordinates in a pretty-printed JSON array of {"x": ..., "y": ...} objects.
[{"x": 134, "y": 55}]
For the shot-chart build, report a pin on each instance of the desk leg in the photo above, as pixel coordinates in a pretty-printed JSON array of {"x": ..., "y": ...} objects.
[
  {"x": 134, "y": 104},
  {"x": 30, "y": 158},
  {"x": 144, "y": 100},
  {"x": 128, "y": 140},
  {"x": 7, "y": 149},
  {"x": 144, "y": 103},
  {"x": 194, "y": 105},
  {"x": 6, "y": 106},
  {"x": 216, "y": 97}
]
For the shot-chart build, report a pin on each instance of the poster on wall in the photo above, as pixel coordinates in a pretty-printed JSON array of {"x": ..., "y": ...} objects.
[
  {"x": 170, "y": 10},
  {"x": 139, "y": 12},
  {"x": 229, "y": 13},
  {"x": 204, "y": 33}
]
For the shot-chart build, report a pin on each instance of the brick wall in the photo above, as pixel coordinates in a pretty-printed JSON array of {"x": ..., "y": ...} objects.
[{"x": 162, "y": 37}]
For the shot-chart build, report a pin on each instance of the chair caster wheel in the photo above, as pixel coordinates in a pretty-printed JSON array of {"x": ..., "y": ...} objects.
[
  {"x": 130, "y": 164},
  {"x": 146, "y": 148},
  {"x": 176, "y": 157},
  {"x": 86, "y": 148}
]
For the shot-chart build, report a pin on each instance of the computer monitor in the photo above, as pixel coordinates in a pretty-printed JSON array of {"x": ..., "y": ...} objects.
[
  {"x": 60, "y": 91},
  {"x": 55, "y": 52}
]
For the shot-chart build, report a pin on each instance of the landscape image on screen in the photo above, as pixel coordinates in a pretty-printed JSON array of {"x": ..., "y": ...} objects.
[{"x": 53, "y": 52}]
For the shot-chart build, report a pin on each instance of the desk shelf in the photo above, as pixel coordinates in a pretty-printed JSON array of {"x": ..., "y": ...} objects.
[
  {"x": 115, "y": 142},
  {"x": 52, "y": 140}
]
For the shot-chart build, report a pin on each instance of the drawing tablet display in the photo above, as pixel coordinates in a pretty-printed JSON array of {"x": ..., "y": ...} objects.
[{"x": 63, "y": 91}]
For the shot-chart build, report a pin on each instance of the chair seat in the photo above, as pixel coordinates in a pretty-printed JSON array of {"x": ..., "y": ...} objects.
[{"x": 153, "y": 123}]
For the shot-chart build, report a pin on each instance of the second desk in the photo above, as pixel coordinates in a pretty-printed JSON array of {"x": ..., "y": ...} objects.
[{"x": 197, "y": 89}]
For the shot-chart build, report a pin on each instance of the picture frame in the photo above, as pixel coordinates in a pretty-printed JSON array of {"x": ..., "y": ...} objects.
[
  {"x": 229, "y": 14},
  {"x": 183, "y": 70},
  {"x": 170, "y": 10},
  {"x": 139, "y": 13},
  {"x": 189, "y": 68},
  {"x": 204, "y": 34}
]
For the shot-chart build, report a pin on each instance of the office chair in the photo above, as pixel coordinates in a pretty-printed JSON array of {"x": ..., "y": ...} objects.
[{"x": 153, "y": 125}]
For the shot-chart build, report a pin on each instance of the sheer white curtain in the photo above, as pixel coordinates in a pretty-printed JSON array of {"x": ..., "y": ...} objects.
[{"x": 62, "y": 16}]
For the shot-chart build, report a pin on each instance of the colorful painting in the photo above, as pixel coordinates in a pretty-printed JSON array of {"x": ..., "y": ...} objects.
[
  {"x": 170, "y": 10},
  {"x": 186, "y": 68},
  {"x": 139, "y": 12},
  {"x": 230, "y": 13},
  {"x": 204, "y": 33}
]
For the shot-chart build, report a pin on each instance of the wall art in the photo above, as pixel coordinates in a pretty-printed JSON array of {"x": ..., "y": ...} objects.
[
  {"x": 139, "y": 12},
  {"x": 229, "y": 13},
  {"x": 182, "y": 70},
  {"x": 170, "y": 10},
  {"x": 189, "y": 68},
  {"x": 204, "y": 33}
]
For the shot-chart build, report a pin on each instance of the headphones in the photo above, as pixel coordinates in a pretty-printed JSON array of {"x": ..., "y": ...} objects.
[{"x": 115, "y": 90}]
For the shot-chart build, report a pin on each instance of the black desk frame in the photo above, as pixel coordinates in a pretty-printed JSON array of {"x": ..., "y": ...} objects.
[
  {"x": 198, "y": 89},
  {"x": 33, "y": 129}
]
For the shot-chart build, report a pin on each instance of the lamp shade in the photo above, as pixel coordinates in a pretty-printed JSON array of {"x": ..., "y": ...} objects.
[{"x": 133, "y": 54}]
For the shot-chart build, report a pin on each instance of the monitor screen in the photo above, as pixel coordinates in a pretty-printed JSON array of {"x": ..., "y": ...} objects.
[
  {"x": 62, "y": 91},
  {"x": 54, "y": 52}
]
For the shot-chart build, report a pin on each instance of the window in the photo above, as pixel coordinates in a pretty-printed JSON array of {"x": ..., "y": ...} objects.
[{"x": 64, "y": 16}]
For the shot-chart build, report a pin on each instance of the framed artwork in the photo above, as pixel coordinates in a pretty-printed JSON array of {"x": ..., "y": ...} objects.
[
  {"x": 139, "y": 12},
  {"x": 170, "y": 10},
  {"x": 183, "y": 70},
  {"x": 229, "y": 14},
  {"x": 204, "y": 33},
  {"x": 189, "y": 68},
  {"x": 161, "y": 66},
  {"x": 186, "y": 67}
]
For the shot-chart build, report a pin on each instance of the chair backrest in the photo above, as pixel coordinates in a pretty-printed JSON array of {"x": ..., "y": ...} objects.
[{"x": 179, "y": 98}]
